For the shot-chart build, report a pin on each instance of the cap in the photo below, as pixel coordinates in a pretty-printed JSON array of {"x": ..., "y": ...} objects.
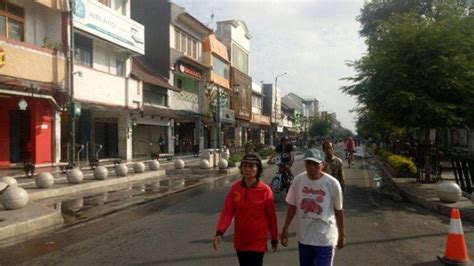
[
  {"x": 312, "y": 155},
  {"x": 251, "y": 158}
]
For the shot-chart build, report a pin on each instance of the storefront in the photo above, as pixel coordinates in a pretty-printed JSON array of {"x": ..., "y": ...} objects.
[
  {"x": 242, "y": 104},
  {"x": 28, "y": 130}
]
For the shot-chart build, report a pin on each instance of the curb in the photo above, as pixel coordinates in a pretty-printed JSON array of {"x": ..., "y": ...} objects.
[
  {"x": 406, "y": 189},
  {"x": 18, "y": 225}
]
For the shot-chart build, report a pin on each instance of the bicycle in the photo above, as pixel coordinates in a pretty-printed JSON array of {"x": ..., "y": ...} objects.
[
  {"x": 281, "y": 182},
  {"x": 350, "y": 158}
]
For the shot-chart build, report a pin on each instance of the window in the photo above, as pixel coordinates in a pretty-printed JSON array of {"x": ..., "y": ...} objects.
[
  {"x": 180, "y": 83},
  {"x": 83, "y": 50},
  {"x": 240, "y": 59},
  {"x": 194, "y": 52},
  {"x": 183, "y": 43},
  {"x": 120, "y": 65},
  {"x": 155, "y": 95},
  {"x": 220, "y": 67},
  {"x": 257, "y": 101},
  {"x": 177, "y": 40},
  {"x": 12, "y": 21},
  {"x": 186, "y": 44}
]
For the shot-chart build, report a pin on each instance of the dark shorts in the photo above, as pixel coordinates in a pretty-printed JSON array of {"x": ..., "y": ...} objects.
[{"x": 315, "y": 255}]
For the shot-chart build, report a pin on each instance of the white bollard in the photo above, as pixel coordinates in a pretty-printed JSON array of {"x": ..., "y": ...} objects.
[
  {"x": 44, "y": 180},
  {"x": 75, "y": 176},
  {"x": 14, "y": 198}
]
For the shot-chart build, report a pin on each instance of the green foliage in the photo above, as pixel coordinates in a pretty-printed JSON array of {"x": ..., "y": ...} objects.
[
  {"x": 234, "y": 158},
  {"x": 384, "y": 154},
  {"x": 418, "y": 72},
  {"x": 320, "y": 127},
  {"x": 264, "y": 153},
  {"x": 403, "y": 166}
]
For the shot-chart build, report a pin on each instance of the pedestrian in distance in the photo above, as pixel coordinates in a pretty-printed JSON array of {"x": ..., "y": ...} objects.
[
  {"x": 316, "y": 199},
  {"x": 333, "y": 164},
  {"x": 250, "y": 203}
]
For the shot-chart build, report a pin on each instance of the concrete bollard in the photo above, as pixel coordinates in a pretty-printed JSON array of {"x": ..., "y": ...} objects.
[
  {"x": 139, "y": 167},
  {"x": 154, "y": 165},
  {"x": 179, "y": 164},
  {"x": 204, "y": 164},
  {"x": 9, "y": 181},
  {"x": 75, "y": 176},
  {"x": 121, "y": 169},
  {"x": 14, "y": 198},
  {"x": 448, "y": 192},
  {"x": 101, "y": 173},
  {"x": 44, "y": 180},
  {"x": 223, "y": 164}
]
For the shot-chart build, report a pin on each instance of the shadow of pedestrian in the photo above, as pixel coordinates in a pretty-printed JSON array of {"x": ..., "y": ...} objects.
[{"x": 428, "y": 263}]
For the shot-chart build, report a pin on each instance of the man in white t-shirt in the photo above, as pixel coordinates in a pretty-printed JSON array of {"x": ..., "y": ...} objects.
[{"x": 315, "y": 198}]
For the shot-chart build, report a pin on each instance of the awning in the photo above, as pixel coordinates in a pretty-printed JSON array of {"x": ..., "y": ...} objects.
[
  {"x": 291, "y": 130},
  {"x": 160, "y": 112},
  {"x": 141, "y": 72}
]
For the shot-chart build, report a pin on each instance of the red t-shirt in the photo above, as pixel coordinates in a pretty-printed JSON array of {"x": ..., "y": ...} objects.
[
  {"x": 350, "y": 145},
  {"x": 255, "y": 216}
]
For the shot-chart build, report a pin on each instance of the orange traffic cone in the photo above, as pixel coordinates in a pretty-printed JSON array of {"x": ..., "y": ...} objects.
[{"x": 456, "y": 250}]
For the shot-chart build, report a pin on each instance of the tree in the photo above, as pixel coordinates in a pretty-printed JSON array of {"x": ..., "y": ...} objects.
[
  {"x": 419, "y": 71},
  {"x": 320, "y": 127}
]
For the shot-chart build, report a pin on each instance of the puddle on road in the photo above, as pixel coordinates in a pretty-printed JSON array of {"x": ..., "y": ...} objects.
[{"x": 89, "y": 207}]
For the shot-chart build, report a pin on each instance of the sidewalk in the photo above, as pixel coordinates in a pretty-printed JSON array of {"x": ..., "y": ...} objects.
[
  {"x": 424, "y": 194},
  {"x": 43, "y": 214}
]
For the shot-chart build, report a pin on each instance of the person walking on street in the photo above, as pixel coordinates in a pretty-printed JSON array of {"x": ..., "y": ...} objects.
[
  {"x": 250, "y": 203},
  {"x": 333, "y": 164},
  {"x": 316, "y": 199}
]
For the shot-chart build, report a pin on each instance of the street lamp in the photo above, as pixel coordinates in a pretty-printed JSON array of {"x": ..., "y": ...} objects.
[{"x": 275, "y": 106}]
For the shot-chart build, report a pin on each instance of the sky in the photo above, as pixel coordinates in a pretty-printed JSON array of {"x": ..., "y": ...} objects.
[{"x": 311, "y": 40}]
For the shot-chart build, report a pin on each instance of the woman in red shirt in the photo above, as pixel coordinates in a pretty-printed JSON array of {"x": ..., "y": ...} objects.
[{"x": 250, "y": 201}]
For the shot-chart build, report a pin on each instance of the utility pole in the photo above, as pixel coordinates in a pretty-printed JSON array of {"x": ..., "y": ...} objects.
[
  {"x": 218, "y": 117},
  {"x": 275, "y": 107},
  {"x": 72, "y": 107}
]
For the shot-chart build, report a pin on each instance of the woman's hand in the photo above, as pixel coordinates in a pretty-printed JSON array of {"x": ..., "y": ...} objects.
[
  {"x": 274, "y": 245},
  {"x": 217, "y": 241}
]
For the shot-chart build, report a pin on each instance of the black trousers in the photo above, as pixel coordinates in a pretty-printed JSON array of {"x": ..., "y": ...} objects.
[{"x": 250, "y": 258}]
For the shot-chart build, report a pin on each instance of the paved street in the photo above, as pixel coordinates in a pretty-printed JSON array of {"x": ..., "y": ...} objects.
[{"x": 178, "y": 231}]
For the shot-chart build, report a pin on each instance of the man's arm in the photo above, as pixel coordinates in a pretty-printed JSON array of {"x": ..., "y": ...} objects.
[
  {"x": 341, "y": 241},
  {"x": 290, "y": 213}
]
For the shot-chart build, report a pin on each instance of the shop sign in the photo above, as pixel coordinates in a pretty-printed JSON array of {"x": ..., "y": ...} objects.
[
  {"x": 260, "y": 119},
  {"x": 190, "y": 71},
  {"x": 227, "y": 115},
  {"x": 101, "y": 21}
]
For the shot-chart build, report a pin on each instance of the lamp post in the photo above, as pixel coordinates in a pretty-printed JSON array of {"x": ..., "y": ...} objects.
[
  {"x": 218, "y": 118},
  {"x": 275, "y": 106},
  {"x": 72, "y": 108}
]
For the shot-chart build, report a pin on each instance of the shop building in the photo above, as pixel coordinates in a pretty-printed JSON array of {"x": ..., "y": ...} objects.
[
  {"x": 32, "y": 83},
  {"x": 259, "y": 123},
  {"x": 221, "y": 118},
  {"x": 235, "y": 35},
  {"x": 105, "y": 39},
  {"x": 174, "y": 51}
]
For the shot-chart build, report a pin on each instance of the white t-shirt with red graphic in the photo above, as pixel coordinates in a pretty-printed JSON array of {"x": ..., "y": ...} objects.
[{"x": 315, "y": 201}]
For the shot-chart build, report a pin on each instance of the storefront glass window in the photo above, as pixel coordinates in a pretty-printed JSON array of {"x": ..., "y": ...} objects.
[{"x": 220, "y": 67}]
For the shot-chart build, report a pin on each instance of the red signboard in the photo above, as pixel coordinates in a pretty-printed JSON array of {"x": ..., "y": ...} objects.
[{"x": 189, "y": 71}]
